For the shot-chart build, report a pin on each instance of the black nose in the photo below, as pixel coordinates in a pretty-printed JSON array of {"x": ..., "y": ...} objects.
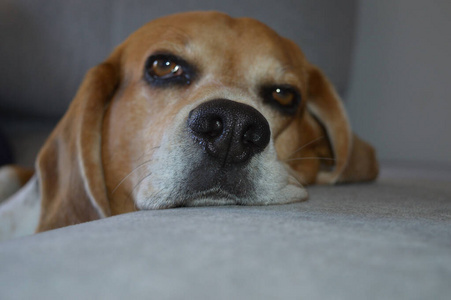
[{"x": 229, "y": 131}]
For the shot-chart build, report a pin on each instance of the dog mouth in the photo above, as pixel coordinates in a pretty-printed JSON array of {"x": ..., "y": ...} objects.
[{"x": 213, "y": 197}]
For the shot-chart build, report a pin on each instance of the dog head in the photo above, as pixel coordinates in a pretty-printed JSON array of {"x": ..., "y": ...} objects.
[{"x": 197, "y": 109}]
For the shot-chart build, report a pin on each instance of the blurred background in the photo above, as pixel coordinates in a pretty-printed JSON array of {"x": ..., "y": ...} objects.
[{"x": 389, "y": 60}]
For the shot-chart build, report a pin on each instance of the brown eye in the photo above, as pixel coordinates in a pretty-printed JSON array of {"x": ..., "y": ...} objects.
[
  {"x": 165, "y": 68},
  {"x": 283, "y": 96}
]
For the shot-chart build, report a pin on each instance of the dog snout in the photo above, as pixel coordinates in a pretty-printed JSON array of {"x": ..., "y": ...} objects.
[{"x": 228, "y": 131}]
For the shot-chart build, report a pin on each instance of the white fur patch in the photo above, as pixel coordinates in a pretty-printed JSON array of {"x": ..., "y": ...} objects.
[
  {"x": 19, "y": 215},
  {"x": 9, "y": 182}
]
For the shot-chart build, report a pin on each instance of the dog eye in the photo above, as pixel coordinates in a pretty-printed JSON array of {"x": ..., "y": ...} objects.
[
  {"x": 284, "y": 98},
  {"x": 166, "y": 69}
]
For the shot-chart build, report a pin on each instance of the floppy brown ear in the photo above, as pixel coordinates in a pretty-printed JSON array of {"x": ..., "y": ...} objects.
[
  {"x": 354, "y": 159},
  {"x": 69, "y": 165}
]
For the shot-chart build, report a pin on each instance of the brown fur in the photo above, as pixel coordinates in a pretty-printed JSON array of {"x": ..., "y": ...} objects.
[
  {"x": 112, "y": 125},
  {"x": 23, "y": 174}
]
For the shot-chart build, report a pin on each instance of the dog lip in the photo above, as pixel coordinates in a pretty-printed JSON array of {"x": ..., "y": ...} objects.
[
  {"x": 218, "y": 192},
  {"x": 214, "y": 196}
]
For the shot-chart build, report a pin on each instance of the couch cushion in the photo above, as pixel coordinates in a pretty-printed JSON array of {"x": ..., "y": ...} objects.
[
  {"x": 387, "y": 240},
  {"x": 51, "y": 45}
]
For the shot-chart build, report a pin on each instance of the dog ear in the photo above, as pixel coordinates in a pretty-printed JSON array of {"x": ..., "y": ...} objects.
[
  {"x": 354, "y": 159},
  {"x": 69, "y": 166}
]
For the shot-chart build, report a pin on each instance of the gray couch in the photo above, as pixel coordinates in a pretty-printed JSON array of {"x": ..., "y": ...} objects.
[{"x": 385, "y": 240}]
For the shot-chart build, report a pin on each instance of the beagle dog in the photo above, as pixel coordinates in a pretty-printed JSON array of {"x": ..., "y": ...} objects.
[{"x": 193, "y": 109}]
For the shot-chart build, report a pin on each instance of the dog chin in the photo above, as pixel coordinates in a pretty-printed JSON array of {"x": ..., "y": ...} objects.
[
  {"x": 218, "y": 197},
  {"x": 213, "y": 197},
  {"x": 211, "y": 201}
]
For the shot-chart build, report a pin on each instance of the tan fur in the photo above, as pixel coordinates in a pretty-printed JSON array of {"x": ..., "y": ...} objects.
[
  {"x": 68, "y": 166},
  {"x": 92, "y": 162}
]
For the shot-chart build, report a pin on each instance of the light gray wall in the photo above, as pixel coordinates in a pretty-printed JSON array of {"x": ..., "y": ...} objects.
[
  {"x": 400, "y": 92},
  {"x": 52, "y": 43}
]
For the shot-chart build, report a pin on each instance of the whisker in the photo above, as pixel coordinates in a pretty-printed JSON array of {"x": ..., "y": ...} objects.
[
  {"x": 129, "y": 174},
  {"x": 146, "y": 153},
  {"x": 138, "y": 184},
  {"x": 309, "y": 143},
  {"x": 303, "y": 158},
  {"x": 296, "y": 180}
]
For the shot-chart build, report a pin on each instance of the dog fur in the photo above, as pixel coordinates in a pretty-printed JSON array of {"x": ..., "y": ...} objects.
[{"x": 124, "y": 143}]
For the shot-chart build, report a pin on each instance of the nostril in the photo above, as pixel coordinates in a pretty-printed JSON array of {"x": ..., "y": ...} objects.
[
  {"x": 216, "y": 128},
  {"x": 251, "y": 136},
  {"x": 206, "y": 125},
  {"x": 256, "y": 137}
]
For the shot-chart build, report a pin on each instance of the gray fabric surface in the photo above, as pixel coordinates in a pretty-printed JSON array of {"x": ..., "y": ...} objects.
[
  {"x": 388, "y": 240},
  {"x": 48, "y": 46}
]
